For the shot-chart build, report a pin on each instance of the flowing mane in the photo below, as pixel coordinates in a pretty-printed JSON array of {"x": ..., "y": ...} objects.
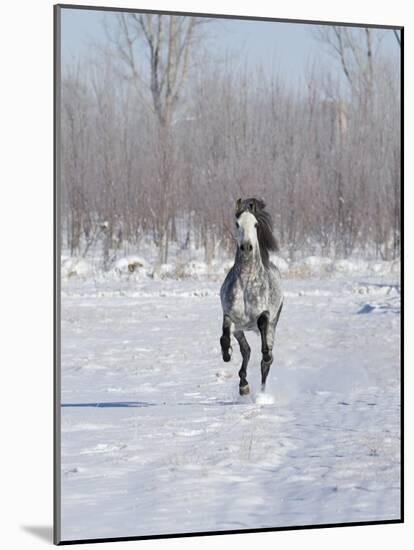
[{"x": 267, "y": 241}]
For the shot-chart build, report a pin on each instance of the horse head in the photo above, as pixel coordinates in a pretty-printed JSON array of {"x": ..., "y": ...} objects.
[{"x": 254, "y": 225}]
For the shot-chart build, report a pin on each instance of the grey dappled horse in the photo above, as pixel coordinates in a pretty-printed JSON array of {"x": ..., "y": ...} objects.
[{"x": 251, "y": 296}]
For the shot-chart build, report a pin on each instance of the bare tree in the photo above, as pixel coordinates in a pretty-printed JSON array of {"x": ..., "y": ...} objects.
[
  {"x": 397, "y": 36},
  {"x": 169, "y": 43},
  {"x": 157, "y": 146},
  {"x": 355, "y": 50}
]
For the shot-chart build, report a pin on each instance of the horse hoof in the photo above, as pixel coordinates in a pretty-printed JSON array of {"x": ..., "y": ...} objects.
[
  {"x": 227, "y": 354},
  {"x": 244, "y": 390}
]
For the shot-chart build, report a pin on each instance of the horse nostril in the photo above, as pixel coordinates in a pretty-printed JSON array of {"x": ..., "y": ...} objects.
[{"x": 246, "y": 247}]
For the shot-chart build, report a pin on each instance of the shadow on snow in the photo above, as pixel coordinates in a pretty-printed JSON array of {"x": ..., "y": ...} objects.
[
  {"x": 138, "y": 404},
  {"x": 110, "y": 404}
]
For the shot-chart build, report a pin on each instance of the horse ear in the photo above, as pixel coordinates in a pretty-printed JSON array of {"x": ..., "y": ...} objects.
[
  {"x": 256, "y": 204},
  {"x": 260, "y": 204},
  {"x": 238, "y": 205}
]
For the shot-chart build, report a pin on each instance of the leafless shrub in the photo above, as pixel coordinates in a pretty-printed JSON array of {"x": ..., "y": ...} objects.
[{"x": 164, "y": 147}]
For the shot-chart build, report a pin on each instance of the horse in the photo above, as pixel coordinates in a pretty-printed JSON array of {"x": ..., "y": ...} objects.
[{"x": 251, "y": 295}]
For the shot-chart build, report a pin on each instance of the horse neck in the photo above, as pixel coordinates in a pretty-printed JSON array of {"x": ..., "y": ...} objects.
[{"x": 248, "y": 268}]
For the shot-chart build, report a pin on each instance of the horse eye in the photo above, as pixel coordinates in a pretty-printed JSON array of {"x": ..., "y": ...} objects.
[
  {"x": 237, "y": 224},
  {"x": 256, "y": 224}
]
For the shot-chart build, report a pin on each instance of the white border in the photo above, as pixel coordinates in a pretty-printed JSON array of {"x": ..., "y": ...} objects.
[{"x": 26, "y": 268}]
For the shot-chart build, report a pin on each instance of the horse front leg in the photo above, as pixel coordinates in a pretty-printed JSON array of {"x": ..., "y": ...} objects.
[
  {"x": 225, "y": 342},
  {"x": 267, "y": 336},
  {"x": 245, "y": 351}
]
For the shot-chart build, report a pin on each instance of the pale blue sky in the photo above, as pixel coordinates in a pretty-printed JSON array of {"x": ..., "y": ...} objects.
[{"x": 287, "y": 47}]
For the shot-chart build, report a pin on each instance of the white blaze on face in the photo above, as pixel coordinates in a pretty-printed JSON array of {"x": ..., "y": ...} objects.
[{"x": 246, "y": 231}]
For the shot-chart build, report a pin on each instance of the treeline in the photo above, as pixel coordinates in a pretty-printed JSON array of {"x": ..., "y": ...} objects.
[{"x": 162, "y": 146}]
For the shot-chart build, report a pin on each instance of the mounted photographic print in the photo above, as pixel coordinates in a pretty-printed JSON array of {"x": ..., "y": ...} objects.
[{"x": 228, "y": 244}]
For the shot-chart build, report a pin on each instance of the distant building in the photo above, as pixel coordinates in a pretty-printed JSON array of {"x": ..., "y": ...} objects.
[{"x": 335, "y": 113}]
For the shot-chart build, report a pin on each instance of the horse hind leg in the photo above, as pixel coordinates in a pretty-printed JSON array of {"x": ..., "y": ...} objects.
[
  {"x": 225, "y": 341},
  {"x": 245, "y": 351}
]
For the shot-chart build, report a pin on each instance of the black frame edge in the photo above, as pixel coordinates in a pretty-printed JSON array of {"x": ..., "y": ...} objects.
[
  {"x": 233, "y": 532},
  {"x": 402, "y": 145},
  {"x": 56, "y": 275},
  {"x": 230, "y": 16}
]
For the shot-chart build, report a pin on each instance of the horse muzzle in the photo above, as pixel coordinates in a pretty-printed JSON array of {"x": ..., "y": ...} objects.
[{"x": 246, "y": 247}]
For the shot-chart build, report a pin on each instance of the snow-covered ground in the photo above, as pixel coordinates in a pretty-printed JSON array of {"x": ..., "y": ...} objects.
[{"x": 155, "y": 438}]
